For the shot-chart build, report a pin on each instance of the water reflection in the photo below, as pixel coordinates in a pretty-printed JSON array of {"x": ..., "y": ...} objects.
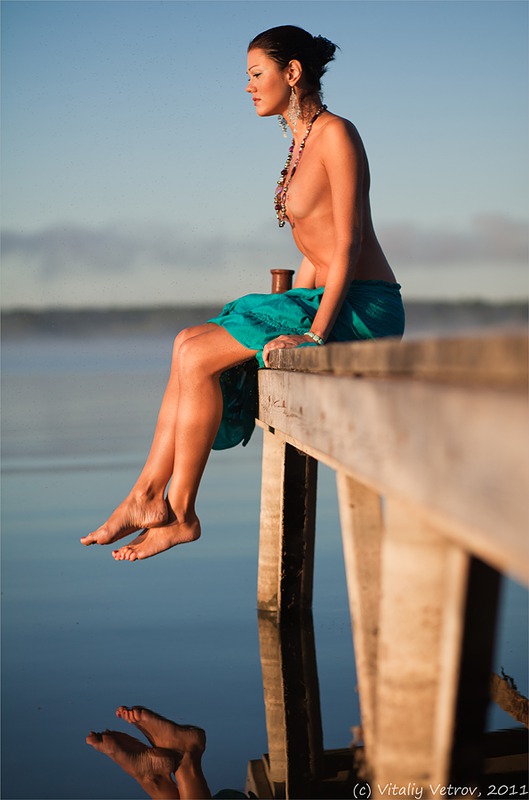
[
  {"x": 171, "y": 767},
  {"x": 295, "y": 766}
]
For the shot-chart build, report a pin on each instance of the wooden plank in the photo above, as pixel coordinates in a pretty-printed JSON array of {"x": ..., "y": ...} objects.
[
  {"x": 423, "y": 595},
  {"x": 362, "y": 530},
  {"x": 491, "y": 357},
  {"x": 459, "y": 453},
  {"x": 286, "y": 541}
]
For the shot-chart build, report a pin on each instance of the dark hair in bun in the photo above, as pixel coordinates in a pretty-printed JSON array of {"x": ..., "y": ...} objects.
[{"x": 288, "y": 42}]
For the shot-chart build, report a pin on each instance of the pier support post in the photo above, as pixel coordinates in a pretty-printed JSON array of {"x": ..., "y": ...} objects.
[
  {"x": 362, "y": 528},
  {"x": 428, "y": 599},
  {"x": 286, "y": 540}
]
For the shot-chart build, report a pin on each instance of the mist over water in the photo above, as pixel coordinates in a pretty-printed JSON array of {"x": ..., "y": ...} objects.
[{"x": 83, "y": 634}]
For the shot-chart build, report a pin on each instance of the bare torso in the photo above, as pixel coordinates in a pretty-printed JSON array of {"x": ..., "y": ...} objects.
[{"x": 310, "y": 210}]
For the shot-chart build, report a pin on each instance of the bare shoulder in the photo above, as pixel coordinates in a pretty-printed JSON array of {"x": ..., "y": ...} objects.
[{"x": 339, "y": 133}]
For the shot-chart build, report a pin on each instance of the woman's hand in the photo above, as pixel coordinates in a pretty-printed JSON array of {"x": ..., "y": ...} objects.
[{"x": 282, "y": 342}]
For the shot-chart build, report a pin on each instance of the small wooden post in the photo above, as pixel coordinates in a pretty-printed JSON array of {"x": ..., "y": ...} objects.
[
  {"x": 281, "y": 280},
  {"x": 286, "y": 539},
  {"x": 362, "y": 530}
]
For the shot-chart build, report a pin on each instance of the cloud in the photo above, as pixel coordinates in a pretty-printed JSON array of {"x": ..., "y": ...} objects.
[
  {"x": 150, "y": 263},
  {"x": 66, "y": 248},
  {"x": 491, "y": 238},
  {"x": 132, "y": 263}
]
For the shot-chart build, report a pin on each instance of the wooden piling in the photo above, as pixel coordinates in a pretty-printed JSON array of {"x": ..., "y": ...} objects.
[
  {"x": 423, "y": 590},
  {"x": 286, "y": 541},
  {"x": 362, "y": 530}
]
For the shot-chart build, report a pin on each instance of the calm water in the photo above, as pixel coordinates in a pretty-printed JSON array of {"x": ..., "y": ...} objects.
[{"x": 83, "y": 634}]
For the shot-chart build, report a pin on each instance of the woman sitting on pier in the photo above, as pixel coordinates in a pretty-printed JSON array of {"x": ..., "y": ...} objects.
[{"x": 345, "y": 290}]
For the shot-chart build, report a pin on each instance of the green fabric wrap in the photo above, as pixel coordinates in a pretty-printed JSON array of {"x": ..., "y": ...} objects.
[{"x": 371, "y": 309}]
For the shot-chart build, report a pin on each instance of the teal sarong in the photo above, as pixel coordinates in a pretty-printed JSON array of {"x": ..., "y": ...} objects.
[{"x": 371, "y": 309}]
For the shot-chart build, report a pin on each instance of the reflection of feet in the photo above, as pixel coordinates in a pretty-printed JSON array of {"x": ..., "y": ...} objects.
[
  {"x": 163, "y": 732},
  {"x": 151, "y": 767},
  {"x": 153, "y": 541},
  {"x": 137, "y": 511}
]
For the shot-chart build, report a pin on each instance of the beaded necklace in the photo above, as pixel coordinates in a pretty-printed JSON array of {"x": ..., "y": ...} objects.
[{"x": 280, "y": 195}]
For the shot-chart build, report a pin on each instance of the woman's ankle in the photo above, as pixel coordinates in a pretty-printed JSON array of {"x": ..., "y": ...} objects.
[{"x": 148, "y": 490}]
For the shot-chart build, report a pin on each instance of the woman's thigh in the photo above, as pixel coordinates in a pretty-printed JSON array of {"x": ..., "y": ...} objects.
[{"x": 212, "y": 350}]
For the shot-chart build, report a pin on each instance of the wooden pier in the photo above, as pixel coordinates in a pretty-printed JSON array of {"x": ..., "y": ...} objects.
[{"x": 429, "y": 442}]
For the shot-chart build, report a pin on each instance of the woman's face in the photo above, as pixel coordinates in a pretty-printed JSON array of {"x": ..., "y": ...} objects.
[{"x": 267, "y": 84}]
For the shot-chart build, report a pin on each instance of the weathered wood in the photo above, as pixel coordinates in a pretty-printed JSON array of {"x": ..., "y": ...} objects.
[
  {"x": 458, "y": 453},
  {"x": 492, "y": 358},
  {"x": 439, "y": 429},
  {"x": 362, "y": 529},
  {"x": 509, "y": 699},
  {"x": 292, "y": 703},
  {"x": 286, "y": 542},
  {"x": 423, "y": 596}
]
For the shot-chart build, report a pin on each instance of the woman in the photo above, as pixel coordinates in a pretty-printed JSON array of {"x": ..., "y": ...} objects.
[{"x": 344, "y": 290}]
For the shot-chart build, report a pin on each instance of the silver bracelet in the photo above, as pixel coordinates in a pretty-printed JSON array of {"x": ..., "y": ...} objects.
[{"x": 315, "y": 337}]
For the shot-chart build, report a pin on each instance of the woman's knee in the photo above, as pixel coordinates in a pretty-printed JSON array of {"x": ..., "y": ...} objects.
[
  {"x": 191, "y": 356},
  {"x": 208, "y": 354},
  {"x": 184, "y": 336}
]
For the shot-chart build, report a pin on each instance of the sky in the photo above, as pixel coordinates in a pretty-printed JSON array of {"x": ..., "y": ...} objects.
[{"x": 136, "y": 171}]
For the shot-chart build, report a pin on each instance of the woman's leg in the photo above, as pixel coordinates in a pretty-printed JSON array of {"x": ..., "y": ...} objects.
[
  {"x": 145, "y": 505},
  {"x": 200, "y": 362}
]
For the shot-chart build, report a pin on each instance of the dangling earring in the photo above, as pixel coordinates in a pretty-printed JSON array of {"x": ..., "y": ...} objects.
[
  {"x": 294, "y": 110},
  {"x": 283, "y": 125}
]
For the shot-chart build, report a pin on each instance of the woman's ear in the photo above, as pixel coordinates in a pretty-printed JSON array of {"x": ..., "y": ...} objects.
[{"x": 295, "y": 71}]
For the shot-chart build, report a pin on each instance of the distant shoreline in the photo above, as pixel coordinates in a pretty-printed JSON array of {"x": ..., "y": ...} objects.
[
  {"x": 146, "y": 320},
  {"x": 421, "y": 316}
]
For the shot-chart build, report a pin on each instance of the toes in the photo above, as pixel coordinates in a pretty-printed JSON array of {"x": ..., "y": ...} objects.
[
  {"x": 125, "y": 554},
  {"x": 137, "y": 712},
  {"x": 129, "y": 714},
  {"x": 95, "y": 740}
]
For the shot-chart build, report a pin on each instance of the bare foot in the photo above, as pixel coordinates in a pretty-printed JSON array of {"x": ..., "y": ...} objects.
[
  {"x": 137, "y": 511},
  {"x": 162, "y": 732},
  {"x": 153, "y": 541},
  {"x": 151, "y": 767}
]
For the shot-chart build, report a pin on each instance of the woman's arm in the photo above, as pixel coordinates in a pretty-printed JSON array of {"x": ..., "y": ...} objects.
[
  {"x": 306, "y": 275},
  {"x": 344, "y": 164}
]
